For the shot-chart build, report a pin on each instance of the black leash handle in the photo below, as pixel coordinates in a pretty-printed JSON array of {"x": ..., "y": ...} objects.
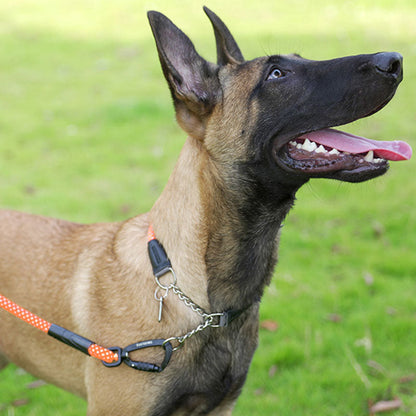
[
  {"x": 70, "y": 338},
  {"x": 158, "y": 257}
]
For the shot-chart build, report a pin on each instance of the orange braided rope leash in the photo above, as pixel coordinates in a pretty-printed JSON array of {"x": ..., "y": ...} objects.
[
  {"x": 111, "y": 357},
  {"x": 93, "y": 350},
  {"x": 150, "y": 234},
  {"x": 24, "y": 315},
  {"x": 102, "y": 353}
]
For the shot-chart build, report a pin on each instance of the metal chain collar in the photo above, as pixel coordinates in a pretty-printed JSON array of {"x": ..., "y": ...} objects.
[{"x": 209, "y": 318}]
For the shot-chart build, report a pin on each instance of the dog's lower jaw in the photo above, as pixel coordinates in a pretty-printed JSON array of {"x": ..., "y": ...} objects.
[{"x": 352, "y": 170}]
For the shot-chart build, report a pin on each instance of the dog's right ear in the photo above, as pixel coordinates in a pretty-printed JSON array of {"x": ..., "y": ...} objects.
[
  {"x": 192, "y": 80},
  {"x": 228, "y": 51}
]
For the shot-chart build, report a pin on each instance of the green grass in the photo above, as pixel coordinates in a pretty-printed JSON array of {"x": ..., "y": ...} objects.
[{"x": 87, "y": 133}]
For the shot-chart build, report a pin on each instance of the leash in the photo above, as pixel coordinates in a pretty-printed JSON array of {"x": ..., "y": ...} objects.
[
  {"x": 114, "y": 356},
  {"x": 76, "y": 341}
]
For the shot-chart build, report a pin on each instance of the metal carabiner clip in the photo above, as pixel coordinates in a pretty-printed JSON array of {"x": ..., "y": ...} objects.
[{"x": 141, "y": 365}]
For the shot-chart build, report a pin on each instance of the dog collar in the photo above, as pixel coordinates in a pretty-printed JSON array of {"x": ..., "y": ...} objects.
[{"x": 161, "y": 267}]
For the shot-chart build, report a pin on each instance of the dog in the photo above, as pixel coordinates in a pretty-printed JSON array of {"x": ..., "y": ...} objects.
[{"x": 257, "y": 131}]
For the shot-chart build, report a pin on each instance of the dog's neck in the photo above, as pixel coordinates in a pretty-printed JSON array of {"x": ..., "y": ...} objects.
[{"x": 208, "y": 215}]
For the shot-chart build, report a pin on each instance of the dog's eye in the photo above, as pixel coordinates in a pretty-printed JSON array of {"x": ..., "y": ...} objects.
[{"x": 275, "y": 73}]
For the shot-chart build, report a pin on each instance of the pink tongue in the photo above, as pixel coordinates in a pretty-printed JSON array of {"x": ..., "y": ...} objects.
[{"x": 346, "y": 142}]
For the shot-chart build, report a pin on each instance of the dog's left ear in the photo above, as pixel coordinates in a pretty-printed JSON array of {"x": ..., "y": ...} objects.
[
  {"x": 192, "y": 80},
  {"x": 228, "y": 51}
]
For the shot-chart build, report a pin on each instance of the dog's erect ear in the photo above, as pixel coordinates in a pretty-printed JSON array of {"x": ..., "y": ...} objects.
[
  {"x": 192, "y": 80},
  {"x": 228, "y": 51}
]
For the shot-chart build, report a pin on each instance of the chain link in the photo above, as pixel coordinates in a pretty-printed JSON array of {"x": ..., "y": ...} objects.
[
  {"x": 188, "y": 302},
  {"x": 208, "y": 318}
]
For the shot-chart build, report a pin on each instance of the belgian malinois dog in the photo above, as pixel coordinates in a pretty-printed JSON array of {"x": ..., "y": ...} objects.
[{"x": 257, "y": 131}]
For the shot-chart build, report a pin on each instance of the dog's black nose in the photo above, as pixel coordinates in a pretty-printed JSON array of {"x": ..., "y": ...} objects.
[{"x": 389, "y": 63}]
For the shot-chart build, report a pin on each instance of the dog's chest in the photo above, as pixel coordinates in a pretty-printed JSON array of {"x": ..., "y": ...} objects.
[{"x": 213, "y": 372}]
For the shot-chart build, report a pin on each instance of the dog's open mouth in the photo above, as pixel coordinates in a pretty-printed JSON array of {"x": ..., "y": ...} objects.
[{"x": 329, "y": 150}]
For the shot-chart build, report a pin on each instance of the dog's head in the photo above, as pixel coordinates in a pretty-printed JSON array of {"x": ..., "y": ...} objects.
[{"x": 271, "y": 116}]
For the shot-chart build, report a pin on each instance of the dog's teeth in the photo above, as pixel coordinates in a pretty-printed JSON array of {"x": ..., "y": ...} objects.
[
  {"x": 320, "y": 149},
  {"x": 299, "y": 146},
  {"x": 369, "y": 157},
  {"x": 334, "y": 152},
  {"x": 293, "y": 143},
  {"x": 309, "y": 146},
  {"x": 377, "y": 160}
]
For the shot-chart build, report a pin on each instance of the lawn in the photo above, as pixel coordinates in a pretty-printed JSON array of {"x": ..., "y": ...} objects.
[{"x": 87, "y": 133}]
